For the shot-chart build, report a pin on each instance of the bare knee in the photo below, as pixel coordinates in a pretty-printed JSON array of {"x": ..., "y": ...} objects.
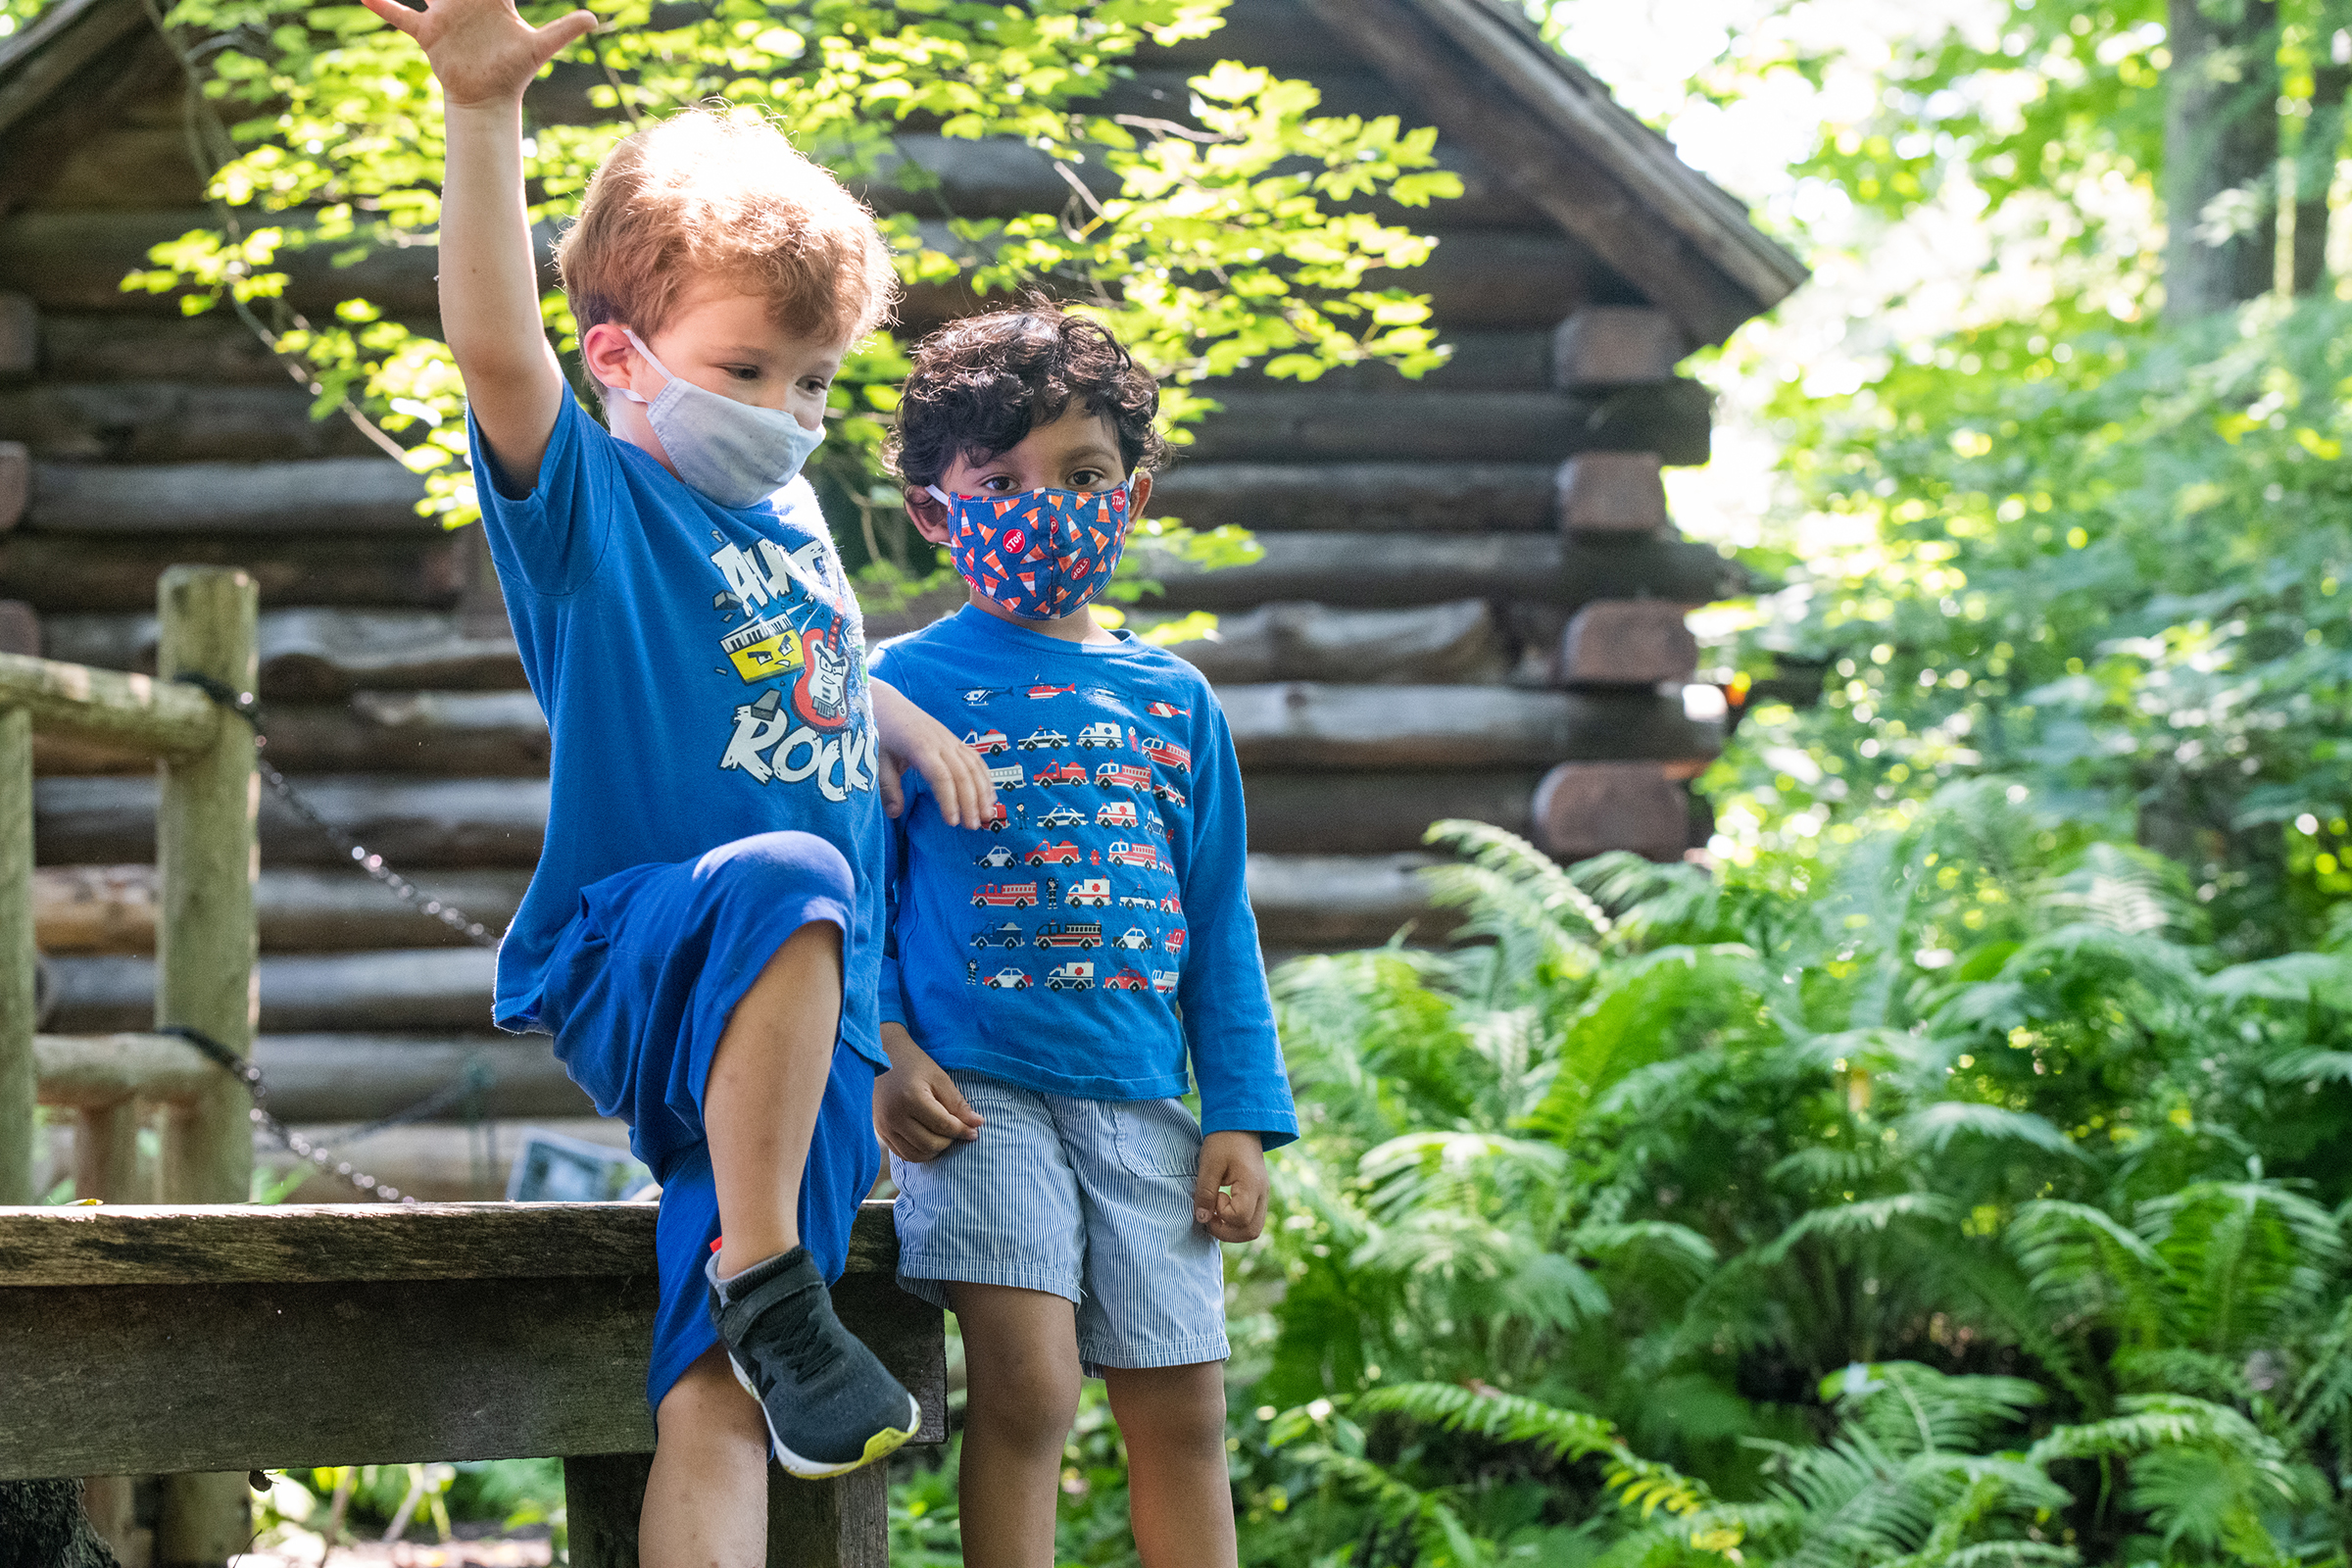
[
  {"x": 706, "y": 1412},
  {"x": 1030, "y": 1412},
  {"x": 1171, "y": 1408}
]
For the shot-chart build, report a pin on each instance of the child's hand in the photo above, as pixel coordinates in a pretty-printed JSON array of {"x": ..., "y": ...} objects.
[
  {"x": 482, "y": 50},
  {"x": 917, "y": 1110},
  {"x": 1229, "y": 1196},
  {"x": 912, "y": 738}
]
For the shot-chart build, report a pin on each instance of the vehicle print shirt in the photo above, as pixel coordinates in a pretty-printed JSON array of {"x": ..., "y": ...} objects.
[
  {"x": 703, "y": 670},
  {"x": 1098, "y": 935}
]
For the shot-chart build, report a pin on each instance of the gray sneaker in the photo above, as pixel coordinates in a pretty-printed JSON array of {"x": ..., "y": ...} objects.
[{"x": 832, "y": 1407}]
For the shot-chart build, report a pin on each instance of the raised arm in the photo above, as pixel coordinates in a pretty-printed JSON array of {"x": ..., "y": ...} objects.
[{"x": 484, "y": 54}]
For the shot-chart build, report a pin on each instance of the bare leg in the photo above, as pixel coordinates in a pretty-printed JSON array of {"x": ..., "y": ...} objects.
[
  {"x": 705, "y": 1502},
  {"x": 1178, "y": 1489},
  {"x": 1022, "y": 1394},
  {"x": 767, "y": 1078}
]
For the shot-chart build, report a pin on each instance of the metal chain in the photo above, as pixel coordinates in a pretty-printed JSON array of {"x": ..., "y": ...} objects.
[
  {"x": 247, "y": 707},
  {"x": 246, "y": 1073}
]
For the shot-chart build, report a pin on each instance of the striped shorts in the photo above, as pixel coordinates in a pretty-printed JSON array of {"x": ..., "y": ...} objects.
[{"x": 1087, "y": 1199}]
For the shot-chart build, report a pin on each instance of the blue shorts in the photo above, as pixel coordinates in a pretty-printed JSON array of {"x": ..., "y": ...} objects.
[
  {"x": 637, "y": 993},
  {"x": 1087, "y": 1199}
]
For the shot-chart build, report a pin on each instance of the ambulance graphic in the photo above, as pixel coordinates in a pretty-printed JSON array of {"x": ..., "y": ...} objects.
[
  {"x": 1118, "y": 814},
  {"x": 1004, "y": 896},
  {"x": 1106, "y": 733},
  {"x": 1070, "y": 934},
  {"x": 1076, "y": 976},
  {"x": 987, "y": 742},
  {"x": 1095, "y": 891}
]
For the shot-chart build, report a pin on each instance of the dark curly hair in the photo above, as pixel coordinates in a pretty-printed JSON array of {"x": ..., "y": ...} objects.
[{"x": 981, "y": 384}]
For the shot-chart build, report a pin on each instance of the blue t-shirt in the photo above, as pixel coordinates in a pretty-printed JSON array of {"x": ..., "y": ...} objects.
[
  {"x": 703, "y": 670},
  {"x": 1101, "y": 929}
]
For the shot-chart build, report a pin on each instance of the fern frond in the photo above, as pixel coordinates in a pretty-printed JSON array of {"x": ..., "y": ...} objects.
[
  {"x": 1937, "y": 1124},
  {"x": 1865, "y": 1217}
]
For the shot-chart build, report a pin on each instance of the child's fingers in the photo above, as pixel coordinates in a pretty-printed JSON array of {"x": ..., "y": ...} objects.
[
  {"x": 395, "y": 14},
  {"x": 1205, "y": 1195},
  {"x": 886, "y": 778},
  {"x": 939, "y": 1120},
  {"x": 951, "y": 1101},
  {"x": 563, "y": 33}
]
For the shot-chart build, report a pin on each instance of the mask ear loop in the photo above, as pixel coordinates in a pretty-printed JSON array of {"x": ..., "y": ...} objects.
[{"x": 638, "y": 344}]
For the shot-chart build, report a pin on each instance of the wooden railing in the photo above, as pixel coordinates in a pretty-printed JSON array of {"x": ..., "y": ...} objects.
[{"x": 199, "y": 1340}]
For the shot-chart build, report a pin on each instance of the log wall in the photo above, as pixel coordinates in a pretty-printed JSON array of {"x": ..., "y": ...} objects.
[{"x": 1469, "y": 603}]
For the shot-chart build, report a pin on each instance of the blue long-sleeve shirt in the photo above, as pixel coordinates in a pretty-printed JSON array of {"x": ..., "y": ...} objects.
[{"x": 1099, "y": 932}]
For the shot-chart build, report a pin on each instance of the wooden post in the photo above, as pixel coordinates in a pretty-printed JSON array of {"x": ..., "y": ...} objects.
[
  {"x": 105, "y": 1152},
  {"x": 205, "y": 867},
  {"x": 20, "y": 1119},
  {"x": 842, "y": 1523}
]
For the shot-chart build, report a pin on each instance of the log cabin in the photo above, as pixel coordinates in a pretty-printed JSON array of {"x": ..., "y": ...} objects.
[{"x": 1470, "y": 604}]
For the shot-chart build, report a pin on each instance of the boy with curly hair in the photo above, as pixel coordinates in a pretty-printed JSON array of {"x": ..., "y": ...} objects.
[
  {"x": 1058, "y": 965},
  {"x": 702, "y": 935}
]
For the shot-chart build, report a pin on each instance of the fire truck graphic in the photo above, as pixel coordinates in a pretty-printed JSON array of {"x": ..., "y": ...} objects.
[
  {"x": 997, "y": 822},
  {"x": 1009, "y": 776},
  {"x": 1138, "y": 854},
  {"x": 1095, "y": 891},
  {"x": 1004, "y": 896},
  {"x": 1122, "y": 776},
  {"x": 1064, "y": 853},
  {"x": 1062, "y": 773},
  {"x": 1173, "y": 941},
  {"x": 1171, "y": 904},
  {"x": 1164, "y": 981},
  {"x": 1077, "y": 975},
  {"x": 1167, "y": 756},
  {"x": 1070, "y": 934}
]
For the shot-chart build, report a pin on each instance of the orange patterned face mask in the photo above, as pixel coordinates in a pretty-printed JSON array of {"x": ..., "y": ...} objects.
[{"x": 1039, "y": 553}]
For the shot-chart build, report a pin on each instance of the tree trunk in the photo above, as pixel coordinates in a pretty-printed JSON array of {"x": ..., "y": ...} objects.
[
  {"x": 2315, "y": 172},
  {"x": 42, "y": 1525},
  {"x": 2221, "y": 150}
]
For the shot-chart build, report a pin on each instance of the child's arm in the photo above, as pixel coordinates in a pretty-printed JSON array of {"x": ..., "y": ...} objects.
[
  {"x": 917, "y": 1109},
  {"x": 484, "y": 54},
  {"x": 912, "y": 738}
]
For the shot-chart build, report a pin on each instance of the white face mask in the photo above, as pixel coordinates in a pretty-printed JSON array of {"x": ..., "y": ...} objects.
[{"x": 735, "y": 454}]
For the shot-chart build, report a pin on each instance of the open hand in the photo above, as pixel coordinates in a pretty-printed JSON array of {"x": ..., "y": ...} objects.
[
  {"x": 912, "y": 738},
  {"x": 482, "y": 51},
  {"x": 1229, "y": 1196},
  {"x": 917, "y": 1109}
]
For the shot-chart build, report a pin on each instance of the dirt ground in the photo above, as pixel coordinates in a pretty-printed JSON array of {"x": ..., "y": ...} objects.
[{"x": 519, "y": 1548}]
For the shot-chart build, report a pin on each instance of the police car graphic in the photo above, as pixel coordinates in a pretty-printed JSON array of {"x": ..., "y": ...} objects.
[
  {"x": 1007, "y": 979},
  {"x": 1135, "y": 939},
  {"x": 1007, "y": 935},
  {"x": 1169, "y": 793},
  {"x": 996, "y": 858},
  {"x": 1039, "y": 740},
  {"x": 1063, "y": 816}
]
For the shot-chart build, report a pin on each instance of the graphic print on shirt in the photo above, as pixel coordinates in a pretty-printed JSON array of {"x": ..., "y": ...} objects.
[
  {"x": 798, "y": 644},
  {"x": 1103, "y": 816}
]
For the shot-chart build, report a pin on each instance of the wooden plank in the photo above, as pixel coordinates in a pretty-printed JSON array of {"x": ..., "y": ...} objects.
[
  {"x": 204, "y": 877},
  {"x": 341, "y": 495},
  {"x": 1363, "y": 569},
  {"x": 214, "y": 350},
  {"x": 1612, "y": 492},
  {"x": 462, "y": 734},
  {"x": 57, "y": 573},
  {"x": 91, "y": 1072},
  {"x": 20, "y": 627},
  {"x": 1374, "y": 814},
  {"x": 75, "y": 261},
  {"x": 174, "y": 421},
  {"x": 19, "y": 337},
  {"x": 16, "y": 483},
  {"x": 1586, "y": 808},
  {"x": 1308, "y": 426},
  {"x": 1457, "y": 642},
  {"x": 1628, "y": 642},
  {"x": 1359, "y": 497},
  {"x": 431, "y": 988},
  {"x": 1616, "y": 345},
  {"x": 318, "y": 654},
  {"x": 329, "y": 1078},
  {"x": 56, "y": 47},
  {"x": 842, "y": 1523},
  {"x": 105, "y": 1153},
  {"x": 127, "y": 167},
  {"x": 85, "y": 910},
  {"x": 431, "y": 1161},
  {"x": 131, "y": 712},
  {"x": 19, "y": 1125},
  {"x": 476, "y": 823},
  {"x": 1304, "y": 725},
  {"x": 1306, "y": 902}
]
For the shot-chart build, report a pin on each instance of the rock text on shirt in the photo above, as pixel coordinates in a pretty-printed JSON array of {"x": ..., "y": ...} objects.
[{"x": 794, "y": 634}]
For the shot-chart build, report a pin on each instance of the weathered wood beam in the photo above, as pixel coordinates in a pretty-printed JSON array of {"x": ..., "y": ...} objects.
[
  {"x": 1616, "y": 345},
  {"x": 334, "y": 495},
  {"x": 61, "y": 574},
  {"x": 19, "y": 337},
  {"x": 76, "y": 261},
  {"x": 94, "y": 909},
  {"x": 319, "y": 653},
  {"x": 1359, "y": 496},
  {"x": 91, "y": 1072},
  {"x": 1307, "y": 902},
  {"x": 1302, "y": 725},
  {"x": 1455, "y": 643},
  {"x": 1306, "y": 426},
  {"x": 1586, "y": 808},
  {"x": 358, "y": 1077},
  {"x": 1376, "y": 814},
  {"x": 110, "y": 709},
  {"x": 473, "y": 823},
  {"x": 173, "y": 421},
  {"x": 469, "y": 734},
  {"x": 16, "y": 483},
  {"x": 1368, "y": 569},
  {"x": 433, "y": 988},
  {"x": 482, "y": 1330},
  {"x": 1612, "y": 492},
  {"x": 434, "y": 1162},
  {"x": 216, "y": 350},
  {"x": 1637, "y": 642}
]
